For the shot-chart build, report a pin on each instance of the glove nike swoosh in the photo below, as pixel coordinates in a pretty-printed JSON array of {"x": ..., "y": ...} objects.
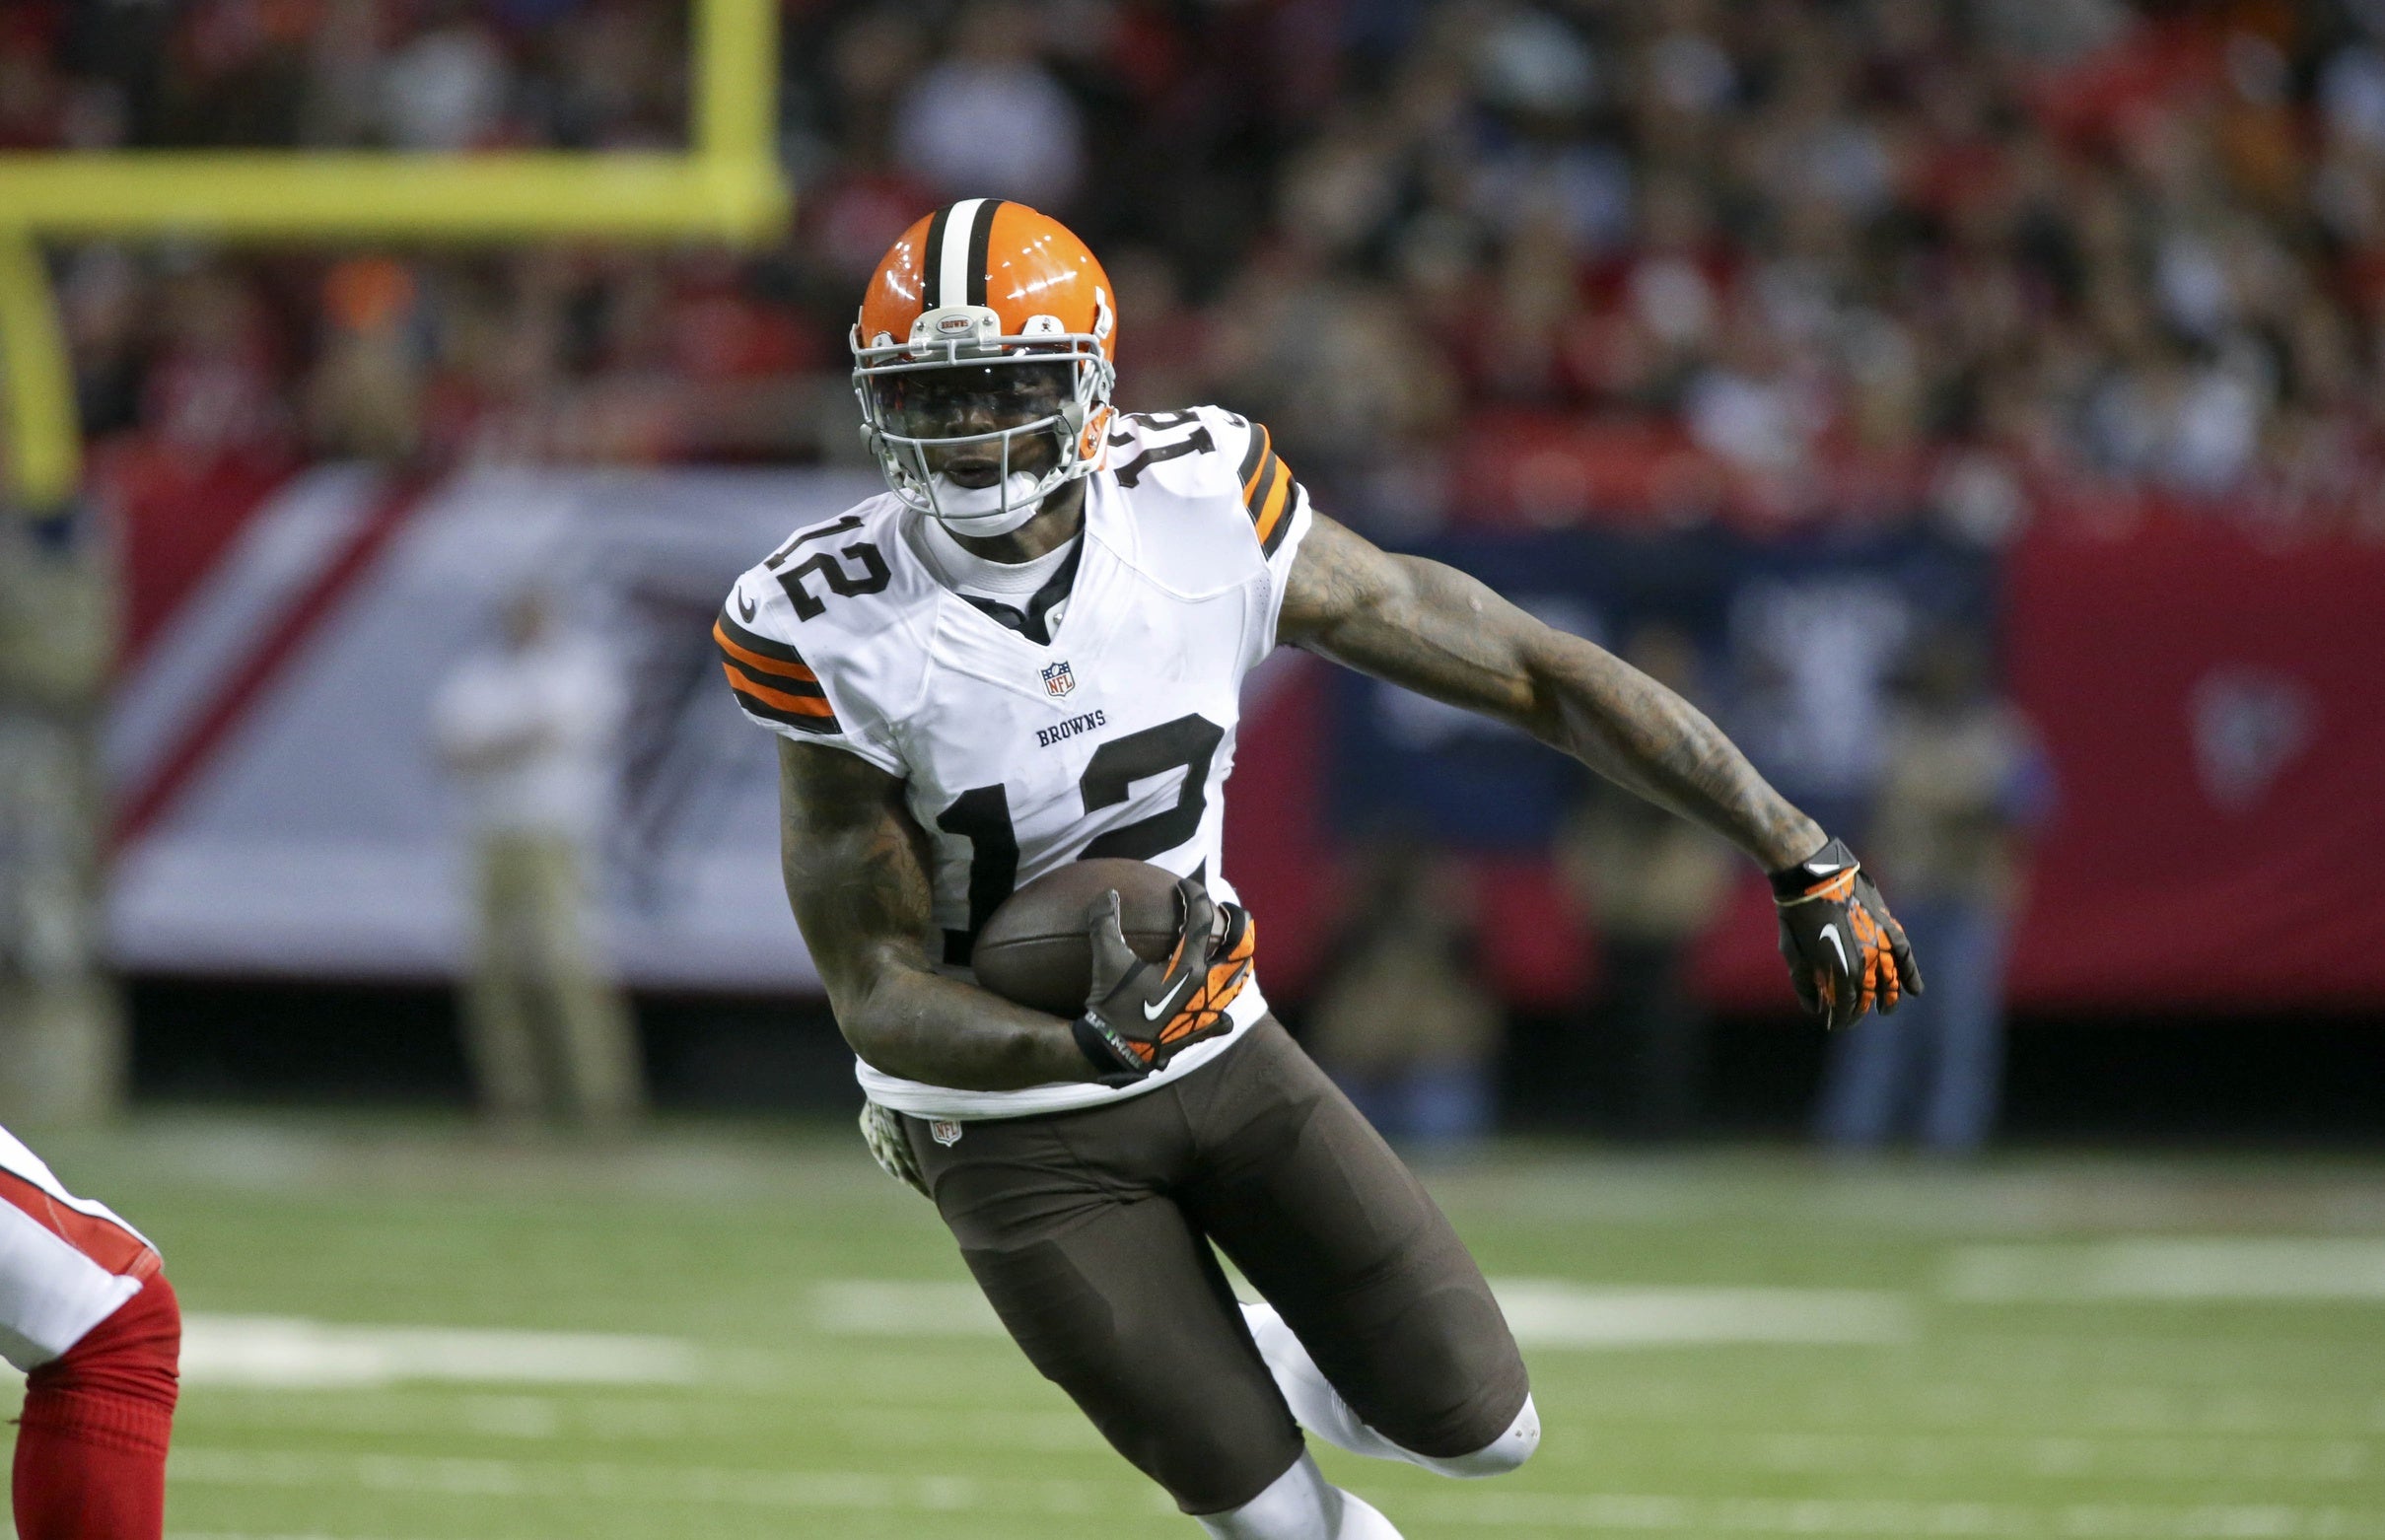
[
  {"x": 1168, "y": 1004},
  {"x": 1829, "y": 934}
]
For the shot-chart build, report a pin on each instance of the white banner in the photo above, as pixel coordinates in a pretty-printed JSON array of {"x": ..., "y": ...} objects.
[{"x": 272, "y": 746}]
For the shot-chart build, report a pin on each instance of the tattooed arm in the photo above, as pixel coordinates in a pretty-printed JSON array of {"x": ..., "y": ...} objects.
[
  {"x": 1436, "y": 631},
  {"x": 856, "y": 864}
]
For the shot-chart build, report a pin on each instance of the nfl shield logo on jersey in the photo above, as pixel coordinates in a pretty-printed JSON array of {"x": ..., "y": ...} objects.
[
  {"x": 945, "y": 1132},
  {"x": 1057, "y": 680}
]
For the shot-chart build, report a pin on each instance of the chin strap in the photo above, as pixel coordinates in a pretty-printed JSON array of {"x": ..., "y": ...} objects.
[{"x": 1004, "y": 517}]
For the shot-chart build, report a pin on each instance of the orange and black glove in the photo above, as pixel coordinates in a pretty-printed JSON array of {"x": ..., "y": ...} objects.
[
  {"x": 1845, "y": 951},
  {"x": 1141, "y": 1015}
]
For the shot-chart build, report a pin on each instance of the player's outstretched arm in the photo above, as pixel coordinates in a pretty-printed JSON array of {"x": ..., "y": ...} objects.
[
  {"x": 1433, "y": 629},
  {"x": 856, "y": 864},
  {"x": 1436, "y": 630}
]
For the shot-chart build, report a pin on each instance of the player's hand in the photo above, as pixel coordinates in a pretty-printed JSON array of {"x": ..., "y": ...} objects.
[
  {"x": 883, "y": 1132},
  {"x": 1140, "y": 1015},
  {"x": 1845, "y": 951}
]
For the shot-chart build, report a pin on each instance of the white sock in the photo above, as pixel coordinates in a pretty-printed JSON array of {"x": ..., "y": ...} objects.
[
  {"x": 1319, "y": 1408},
  {"x": 1496, "y": 1458},
  {"x": 1301, "y": 1504},
  {"x": 1315, "y": 1404}
]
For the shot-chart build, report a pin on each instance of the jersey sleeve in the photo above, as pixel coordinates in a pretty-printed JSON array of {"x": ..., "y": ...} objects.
[
  {"x": 777, "y": 688},
  {"x": 1280, "y": 515}
]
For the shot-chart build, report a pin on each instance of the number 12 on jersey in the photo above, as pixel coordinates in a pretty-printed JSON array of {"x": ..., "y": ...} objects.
[{"x": 982, "y": 814}]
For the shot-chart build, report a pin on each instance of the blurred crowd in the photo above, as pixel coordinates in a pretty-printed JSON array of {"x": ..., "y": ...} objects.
[{"x": 1769, "y": 258}]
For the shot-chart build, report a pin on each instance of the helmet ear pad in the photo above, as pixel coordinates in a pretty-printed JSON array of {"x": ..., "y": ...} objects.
[{"x": 1091, "y": 428}]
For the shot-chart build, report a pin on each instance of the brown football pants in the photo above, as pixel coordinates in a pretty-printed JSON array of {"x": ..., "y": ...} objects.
[{"x": 1091, "y": 1232}]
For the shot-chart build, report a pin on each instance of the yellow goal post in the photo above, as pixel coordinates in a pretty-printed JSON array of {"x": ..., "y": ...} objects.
[{"x": 726, "y": 188}]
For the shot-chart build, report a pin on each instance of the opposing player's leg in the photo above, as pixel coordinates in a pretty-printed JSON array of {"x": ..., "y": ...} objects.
[
  {"x": 85, "y": 1312},
  {"x": 91, "y": 1440},
  {"x": 1397, "y": 1346}
]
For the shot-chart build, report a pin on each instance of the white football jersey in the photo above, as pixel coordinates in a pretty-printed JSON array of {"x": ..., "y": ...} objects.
[{"x": 1115, "y": 740}]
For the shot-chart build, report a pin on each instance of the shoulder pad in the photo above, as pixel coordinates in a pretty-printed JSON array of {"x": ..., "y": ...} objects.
[
  {"x": 1187, "y": 454},
  {"x": 819, "y": 637},
  {"x": 1208, "y": 452}
]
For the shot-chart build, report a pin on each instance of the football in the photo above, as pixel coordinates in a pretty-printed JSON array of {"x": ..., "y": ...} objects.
[{"x": 1033, "y": 951}]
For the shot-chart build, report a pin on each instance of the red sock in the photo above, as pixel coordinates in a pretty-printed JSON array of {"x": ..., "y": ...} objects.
[{"x": 91, "y": 1445}]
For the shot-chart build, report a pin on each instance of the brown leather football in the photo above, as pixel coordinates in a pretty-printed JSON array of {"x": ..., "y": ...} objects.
[{"x": 1033, "y": 951}]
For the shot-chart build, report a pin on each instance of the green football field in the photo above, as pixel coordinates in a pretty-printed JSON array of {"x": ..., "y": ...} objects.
[{"x": 403, "y": 1331}]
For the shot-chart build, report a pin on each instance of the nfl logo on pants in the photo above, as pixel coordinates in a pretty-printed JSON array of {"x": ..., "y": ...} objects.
[
  {"x": 1057, "y": 680},
  {"x": 945, "y": 1132}
]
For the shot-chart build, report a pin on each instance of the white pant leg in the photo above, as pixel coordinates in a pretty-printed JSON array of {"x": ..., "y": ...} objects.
[
  {"x": 66, "y": 1263},
  {"x": 1301, "y": 1504},
  {"x": 1319, "y": 1408}
]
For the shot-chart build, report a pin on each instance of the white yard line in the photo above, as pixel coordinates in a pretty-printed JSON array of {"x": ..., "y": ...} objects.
[
  {"x": 902, "y": 1308},
  {"x": 287, "y": 1353},
  {"x": 1611, "y": 1513},
  {"x": 1545, "y": 1313},
  {"x": 1620, "y": 1514},
  {"x": 2319, "y": 1269},
  {"x": 1553, "y": 1313},
  {"x": 792, "y": 1490}
]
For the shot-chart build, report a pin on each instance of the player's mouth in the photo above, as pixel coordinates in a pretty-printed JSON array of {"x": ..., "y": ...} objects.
[{"x": 967, "y": 468}]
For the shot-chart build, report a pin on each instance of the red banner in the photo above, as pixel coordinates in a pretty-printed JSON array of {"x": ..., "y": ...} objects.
[{"x": 2215, "y": 711}]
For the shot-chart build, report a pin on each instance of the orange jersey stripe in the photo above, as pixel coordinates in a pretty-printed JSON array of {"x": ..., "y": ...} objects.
[
  {"x": 800, "y": 705},
  {"x": 1266, "y": 459},
  {"x": 1279, "y": 498},
  {"x": 770, "y": 666}
]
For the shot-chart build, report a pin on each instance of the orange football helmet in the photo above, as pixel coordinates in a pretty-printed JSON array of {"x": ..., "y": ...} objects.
[{"x": 985, "y": 312}]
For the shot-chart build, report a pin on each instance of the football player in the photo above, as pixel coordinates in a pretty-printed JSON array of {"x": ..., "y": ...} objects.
[
  {"x": 1029, "y": 648},
  {"x": 87, "y": 1313}
]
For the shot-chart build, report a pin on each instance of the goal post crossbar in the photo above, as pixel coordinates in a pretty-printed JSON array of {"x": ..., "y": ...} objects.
[{"x": 726, "y": 187}]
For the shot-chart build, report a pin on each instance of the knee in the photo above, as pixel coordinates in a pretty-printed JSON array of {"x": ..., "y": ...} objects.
[{"x": 1500, "y": 1456}]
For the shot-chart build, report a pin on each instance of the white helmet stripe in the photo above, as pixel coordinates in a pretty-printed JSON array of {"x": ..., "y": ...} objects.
[{"x": 952, "y": 258}]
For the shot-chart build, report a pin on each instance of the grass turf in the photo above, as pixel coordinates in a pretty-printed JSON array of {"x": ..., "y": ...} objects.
[{"x": 2075, "y": 1408}]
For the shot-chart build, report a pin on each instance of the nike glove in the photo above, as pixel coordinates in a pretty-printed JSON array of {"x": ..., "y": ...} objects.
[
  {"x": 1141, "y": 1015},
  {"x": 1845, "y": 951},
  {"x": 883, "y": 1132}
]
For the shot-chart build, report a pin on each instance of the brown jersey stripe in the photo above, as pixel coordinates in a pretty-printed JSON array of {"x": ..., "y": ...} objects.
[
  {"x": 812, "y": 705},
  {"x": 769, "y": 713},
  {"x": 756, "y": 644},
  {"x": 779, "y": 672},
  {"x": 1254, "y": 460},
  {"x": 823, "y": 726},
  {"x": 1270, "y": 541}
]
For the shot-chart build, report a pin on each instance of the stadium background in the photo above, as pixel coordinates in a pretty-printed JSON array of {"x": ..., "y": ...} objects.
[
  {"x": 2054, "y": 317},
  {"x": 1807, "y": 327}
]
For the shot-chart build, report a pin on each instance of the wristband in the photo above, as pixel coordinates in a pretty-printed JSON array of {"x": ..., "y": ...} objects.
[
  {"x": 1792, "y": 884},
  {"x": 1104, "y": 1049}
]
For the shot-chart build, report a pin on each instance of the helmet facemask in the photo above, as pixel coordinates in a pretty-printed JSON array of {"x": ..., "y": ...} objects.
[{"x": 960, "y": 382}]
